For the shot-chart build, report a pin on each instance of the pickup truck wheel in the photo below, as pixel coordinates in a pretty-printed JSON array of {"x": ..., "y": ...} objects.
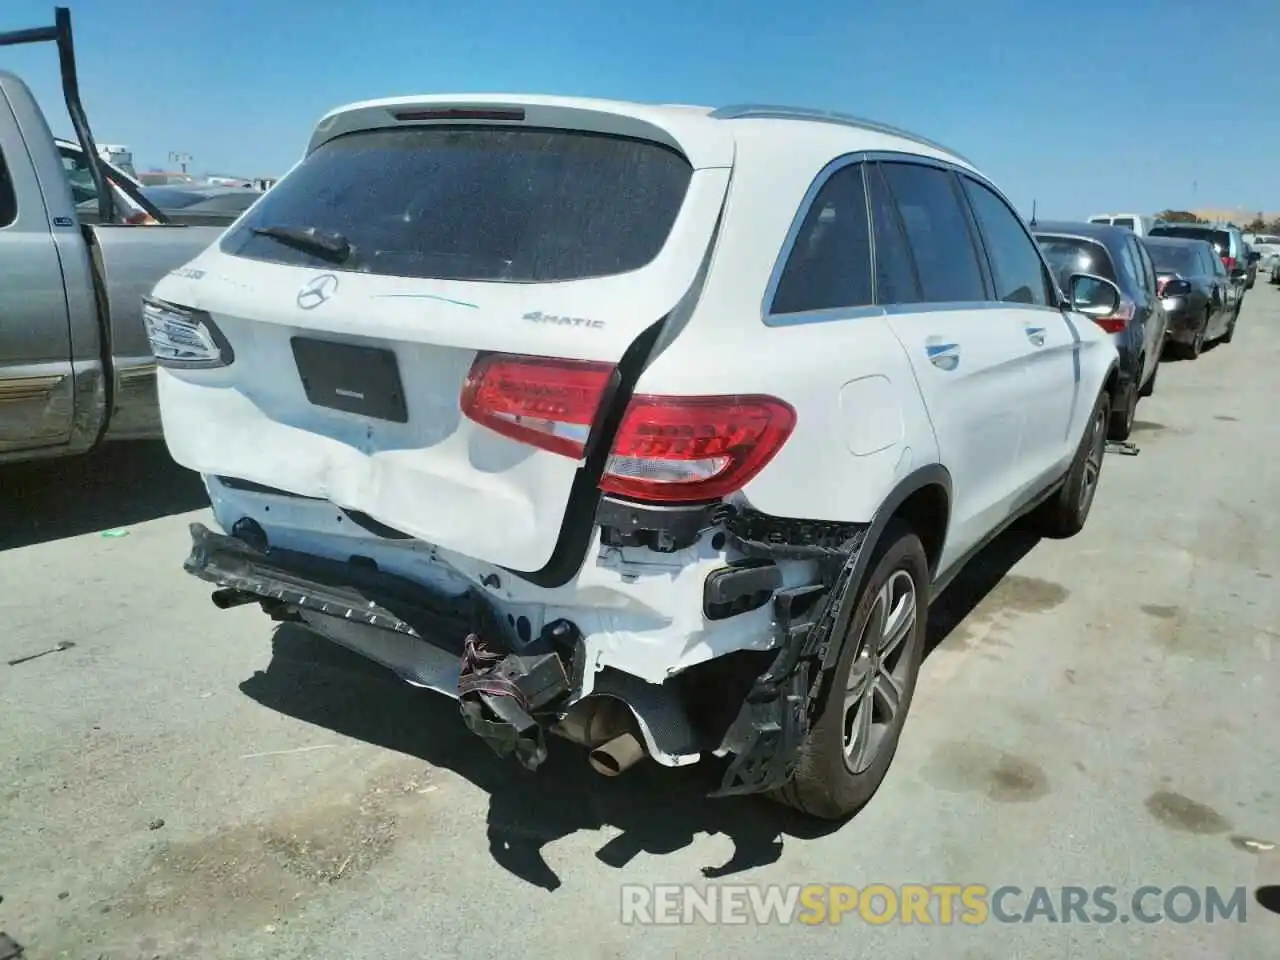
[
  {"x": 1064, "y": 514},
  {"x": 847, "y": 753}
]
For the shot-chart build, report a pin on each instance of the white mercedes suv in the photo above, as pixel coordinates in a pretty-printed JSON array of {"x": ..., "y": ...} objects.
[{"x": 654, "y": 427}]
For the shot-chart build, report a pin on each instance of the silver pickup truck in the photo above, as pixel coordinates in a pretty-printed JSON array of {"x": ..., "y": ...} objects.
[{"x": 75, "y": 364}]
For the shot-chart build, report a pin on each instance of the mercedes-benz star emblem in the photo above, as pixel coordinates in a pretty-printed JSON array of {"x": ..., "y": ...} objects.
[{"x": 317, "y": 291}]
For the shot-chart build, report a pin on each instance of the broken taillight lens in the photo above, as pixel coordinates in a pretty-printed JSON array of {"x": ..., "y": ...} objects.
[
  {"x": 547, "y": 403},
  {"x": 689, "y": 449}
]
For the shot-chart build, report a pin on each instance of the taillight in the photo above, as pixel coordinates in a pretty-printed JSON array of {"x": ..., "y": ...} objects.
[
  {"x": 1229, "y": 263},
  {"x": 547, "y": 403},
  {"x": 1116, "y": 322},
  {"x": 666, "y": 450},
  {"x": 1161, "y": 284},
  {"x": 688, "y": 449}
]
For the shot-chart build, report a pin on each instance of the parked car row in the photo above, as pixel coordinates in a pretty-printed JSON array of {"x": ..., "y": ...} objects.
[{"x": 1182, "y": 287}]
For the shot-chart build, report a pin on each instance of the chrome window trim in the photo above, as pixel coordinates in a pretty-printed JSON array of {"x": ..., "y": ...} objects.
[{"x": 827, "y": 315}]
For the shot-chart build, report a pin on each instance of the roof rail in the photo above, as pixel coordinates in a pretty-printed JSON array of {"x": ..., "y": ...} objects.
[{"x": 760, "y": 111}]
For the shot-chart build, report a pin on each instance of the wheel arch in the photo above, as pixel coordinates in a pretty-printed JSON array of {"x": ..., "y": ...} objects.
[{"x": 922, "y": 500}]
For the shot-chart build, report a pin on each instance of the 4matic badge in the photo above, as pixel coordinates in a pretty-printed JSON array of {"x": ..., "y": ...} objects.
[{"x": 537, "y": 316}]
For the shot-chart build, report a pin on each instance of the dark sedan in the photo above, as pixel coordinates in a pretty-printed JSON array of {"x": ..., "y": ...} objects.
[
  {"x": 1193, "y": 286},
  {"x": 1137, "y": 328}
]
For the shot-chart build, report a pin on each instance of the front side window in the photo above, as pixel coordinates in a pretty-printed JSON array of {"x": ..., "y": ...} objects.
[
  {"x": 1015, "y": 265},
  {"x": 937, "y": 231},
  {"x": 505, "y": 204},
  {"x": 829, "y": 266}
]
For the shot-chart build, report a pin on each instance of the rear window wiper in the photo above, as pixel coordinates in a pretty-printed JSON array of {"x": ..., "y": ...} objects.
[{"x": 330, "y": 245}]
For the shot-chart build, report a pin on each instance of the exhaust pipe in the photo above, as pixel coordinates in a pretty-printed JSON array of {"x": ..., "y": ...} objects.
[
  {"x": 619, "y": 754},
  {"x": 227, "y": 598}
]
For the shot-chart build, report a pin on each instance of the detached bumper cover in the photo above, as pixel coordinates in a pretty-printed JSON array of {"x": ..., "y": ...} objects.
[
  {"x": 505, "y": 699},
  {"x": 347, "y": 590}
]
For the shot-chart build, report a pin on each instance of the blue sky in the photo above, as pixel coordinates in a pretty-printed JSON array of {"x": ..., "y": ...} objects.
[{"x": 1063, "y": 103}]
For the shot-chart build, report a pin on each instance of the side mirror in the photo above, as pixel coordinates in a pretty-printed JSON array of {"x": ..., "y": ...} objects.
[
  {"x": 1254, "y": 256},
  {"x": 1093, "y": 296}
]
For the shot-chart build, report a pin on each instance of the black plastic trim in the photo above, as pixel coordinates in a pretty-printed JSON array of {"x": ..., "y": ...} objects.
[
  {"x": 663, "y": 529},
  {"x": 578, "y": 525},
  {"x": 348, "y": 590},
  {"x": 811, "y": 622},
  {"x": 742, "y": 586}
]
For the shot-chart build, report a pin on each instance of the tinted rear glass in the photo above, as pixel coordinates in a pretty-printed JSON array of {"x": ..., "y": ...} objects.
[
  {"x": 477, "y": 203},
  {"x": 1175, "y": 259},
  {"x": 1219, "y": 238},
  {"x": 1123, "y": 222},
  {"x": 1068, "y": 255}
]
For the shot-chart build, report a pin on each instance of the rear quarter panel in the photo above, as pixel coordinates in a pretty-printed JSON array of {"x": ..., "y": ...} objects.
[{"x": 861, "y": 425}]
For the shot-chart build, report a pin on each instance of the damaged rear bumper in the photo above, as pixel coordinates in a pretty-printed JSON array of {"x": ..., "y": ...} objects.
[{"x": 511, "y": 695}]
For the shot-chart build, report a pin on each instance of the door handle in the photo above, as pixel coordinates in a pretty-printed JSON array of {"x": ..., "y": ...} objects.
[
  {"x": 1035, "y": 335},
  {"x": 944, "y": 356}
]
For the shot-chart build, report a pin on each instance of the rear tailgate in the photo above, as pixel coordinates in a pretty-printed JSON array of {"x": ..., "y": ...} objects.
[{"x": 347, "y": 378}]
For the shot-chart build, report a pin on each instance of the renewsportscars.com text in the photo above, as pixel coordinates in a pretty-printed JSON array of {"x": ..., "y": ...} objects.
[{"x": 933, "y": 904}]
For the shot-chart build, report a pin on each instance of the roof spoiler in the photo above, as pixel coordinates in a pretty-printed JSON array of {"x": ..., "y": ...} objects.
[{"x": 60, "y": 33}]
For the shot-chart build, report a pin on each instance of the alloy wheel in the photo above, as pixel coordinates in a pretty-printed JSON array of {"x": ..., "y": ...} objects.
[
  {"x": 1093, "y": 462},
  {"x": 879, "y": 672}
]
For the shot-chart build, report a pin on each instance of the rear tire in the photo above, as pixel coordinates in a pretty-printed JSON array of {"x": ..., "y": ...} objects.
[
  {"x": 1231, "y": 328},
  {"x": 1065, "y": 513},
  {"x": 1192, "y": 350},
  {"x": 1150, "y": 388},
  {"x": 1121, "y": 423},
  {"x": 851, "y": 744}
]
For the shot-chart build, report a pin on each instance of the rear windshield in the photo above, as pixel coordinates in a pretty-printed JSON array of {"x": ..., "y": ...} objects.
[
  {"x": 1068, "y": 255},
  {"x": 1169, "y": 258},
  {"x": 1123, "y": 222},
  {"x": 1219, "y": 238},
  {"x": 476, "y": 203}
]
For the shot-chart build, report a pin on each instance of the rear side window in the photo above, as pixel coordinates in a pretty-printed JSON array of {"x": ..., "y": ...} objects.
[
  {"x": 1015, "y": 263},
  {"x": 1129, "y": 266},
  {"x": 829, "y": 266},
  {"x": 8, "y": 196},
  {"x": 1146, "y": 273},
  {"x": 1068, "y": 255},
  {"x": 896, "y": 280},
  {"x": 476, "y": 203},
  {"x": 938, "y": 232},
  {"x": 1219, "y": 238}
]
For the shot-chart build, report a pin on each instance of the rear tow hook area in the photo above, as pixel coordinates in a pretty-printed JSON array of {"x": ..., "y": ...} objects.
[{"x": 508, "y": 699}]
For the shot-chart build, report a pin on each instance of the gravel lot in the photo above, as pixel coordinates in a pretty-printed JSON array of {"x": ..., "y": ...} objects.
[{"x": 1099, "y": 711}]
